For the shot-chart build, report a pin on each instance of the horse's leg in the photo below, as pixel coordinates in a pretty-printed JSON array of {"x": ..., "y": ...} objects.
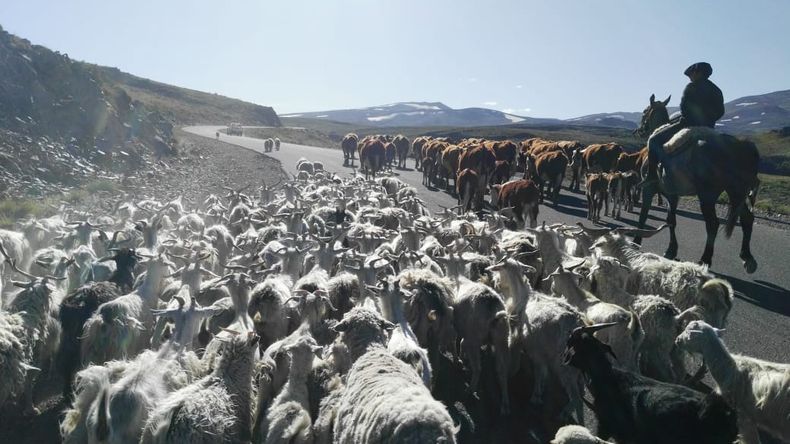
[
  {"x": 747, "y": 222},
  {"x": 707, "y": 204},
  {"x": 647, "y": 200},
  {"x": 672, "y": 248}
]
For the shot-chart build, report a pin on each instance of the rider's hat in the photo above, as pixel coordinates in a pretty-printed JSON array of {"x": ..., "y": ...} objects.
[{"x": 703, "y": 68}]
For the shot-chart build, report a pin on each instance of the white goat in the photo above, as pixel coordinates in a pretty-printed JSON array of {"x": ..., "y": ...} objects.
[
  {"x": 216, "y": 406},
  {"x": 288, "y": 418},
  {"x": 759, "y": 390},
  {"x": 29, "y": 336},
  {"x": 625, "y": 337}
]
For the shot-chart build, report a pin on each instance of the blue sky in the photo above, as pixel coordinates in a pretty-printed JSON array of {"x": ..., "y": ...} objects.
[{"x": 552, "y": 58}]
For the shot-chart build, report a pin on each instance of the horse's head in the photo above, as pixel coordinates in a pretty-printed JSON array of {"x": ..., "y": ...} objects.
[{"x": 653, "y": 116}]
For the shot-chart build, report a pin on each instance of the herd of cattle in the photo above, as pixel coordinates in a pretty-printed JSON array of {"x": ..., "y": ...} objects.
[
  {"x": 338, "y": 309},
  {"x": 476, "y": 165}
]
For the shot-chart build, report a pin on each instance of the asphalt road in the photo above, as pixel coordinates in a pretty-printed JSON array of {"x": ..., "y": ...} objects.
[{"x": 759, "y": 324}]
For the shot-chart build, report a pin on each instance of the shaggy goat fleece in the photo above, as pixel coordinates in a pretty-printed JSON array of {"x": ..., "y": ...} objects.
[{"x": 386, "y": 402}]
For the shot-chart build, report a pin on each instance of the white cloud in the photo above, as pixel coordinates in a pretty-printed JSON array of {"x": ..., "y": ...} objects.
[
  {"x": 519, "y": 86},
  {"x": 489, "y": 103},
  {"x": 471, "y": 79}
]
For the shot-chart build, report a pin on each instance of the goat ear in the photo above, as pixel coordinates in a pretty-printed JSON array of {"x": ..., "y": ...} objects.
[
  {"x": 340, "y": 327},
  {"x": 387, "y": 325},
  {"x": 652, "y": 99},
  {"x": 666, "y": 102}
]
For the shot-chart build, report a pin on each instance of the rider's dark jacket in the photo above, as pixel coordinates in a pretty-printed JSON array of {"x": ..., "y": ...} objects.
[{"x": 702, "y": 104}]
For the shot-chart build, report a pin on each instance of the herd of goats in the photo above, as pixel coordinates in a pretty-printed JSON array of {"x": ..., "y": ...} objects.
[{"x": 336, "y": 309}]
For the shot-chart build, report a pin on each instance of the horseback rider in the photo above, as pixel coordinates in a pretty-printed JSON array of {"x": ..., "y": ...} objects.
[{"x": 702, "y": 105}]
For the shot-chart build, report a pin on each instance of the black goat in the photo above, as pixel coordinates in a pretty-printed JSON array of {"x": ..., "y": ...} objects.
[
  {"x": 125, "y": 261},
  {"x": 635, "y": 409},
  {"x": 79, "y": 305}
]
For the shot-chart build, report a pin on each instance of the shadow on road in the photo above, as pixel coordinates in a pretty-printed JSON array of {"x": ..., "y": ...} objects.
[{"x": 760, "y": 293}]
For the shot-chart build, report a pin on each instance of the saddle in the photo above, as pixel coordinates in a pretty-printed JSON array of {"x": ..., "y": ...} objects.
[{"x": 674, "y": 172}]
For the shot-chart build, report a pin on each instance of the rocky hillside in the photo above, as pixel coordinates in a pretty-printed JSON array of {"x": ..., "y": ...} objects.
[
  {"x": 64, "y": 122},
  {"x": 184, "y": 106}
]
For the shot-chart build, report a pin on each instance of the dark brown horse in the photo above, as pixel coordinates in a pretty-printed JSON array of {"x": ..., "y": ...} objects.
[{"x": 722, "y": 163}]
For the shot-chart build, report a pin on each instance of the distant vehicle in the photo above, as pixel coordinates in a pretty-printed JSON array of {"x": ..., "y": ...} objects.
[{"x": 235, "y": 129}]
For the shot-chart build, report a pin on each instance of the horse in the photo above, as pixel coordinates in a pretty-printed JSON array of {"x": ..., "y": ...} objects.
[{"x": 719, "y": 163}]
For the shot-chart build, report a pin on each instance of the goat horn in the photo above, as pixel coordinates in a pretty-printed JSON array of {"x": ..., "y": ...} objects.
[
  {"x": 637, "y": 232},
  {"x": 234, "y": 267},
  {"x": 15, "y": 268},
  {"x": 596, "y": 327}
]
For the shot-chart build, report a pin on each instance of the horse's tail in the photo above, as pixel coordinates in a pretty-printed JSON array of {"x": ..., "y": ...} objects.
[
  {"x": 751, "y": 157},
  {"x": 735, "y": 208}
]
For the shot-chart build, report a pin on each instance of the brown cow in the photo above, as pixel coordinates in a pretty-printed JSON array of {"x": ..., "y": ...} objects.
[
  {"x": 576, "y": 169},
  {"x": 450, "y": 156},
  {"x": 504, "y": 150},
  {"x": 616, "y": 191},
  {"x": 548, "y": 169},
  {"x": 390, "y": 154},
  {"x": 372, "y": 157},
  {"x": 349, "y": 145},
  {"x": 545, "y": 147},
  {"x": 596, "y": 195},
  {"x": 632, "y": 162},
  {"x": 501, "y": 173},
  {"x": 601, "y": 157},
  {"x": 416, "y": 150},
  {"x": 402, "y": 146},
  {"x": 628, "y": 161},
  {"x": 428, "y": 165},
  {"x": 522, "y": 195},
  {"x": 433, "y": 150},
  {"x": 481, "y": 160},
  {"x": 467, "y": 189},
  {"x": 569, "y": 146}
]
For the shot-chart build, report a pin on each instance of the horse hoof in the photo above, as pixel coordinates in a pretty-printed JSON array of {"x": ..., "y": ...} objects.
[
  {"x": 705, "y": 262},
  {"x": 750, "y": 265}
]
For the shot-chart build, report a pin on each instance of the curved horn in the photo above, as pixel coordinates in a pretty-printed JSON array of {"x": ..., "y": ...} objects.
[
  {"x": 234, "y": 267},
  {"x": 594, "y": 232},
  {"x": 636, "y": 232},
  {"x": 596, "y": 327}
]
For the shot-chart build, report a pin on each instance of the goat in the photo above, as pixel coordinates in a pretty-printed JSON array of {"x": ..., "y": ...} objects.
[
  {"x": 625, "y": 337},
  {"x": 288, "y": 417},
  {"x": 384, "y": 399},
  {"x": 122, "y": 327},
  {"x": 216, "y": 406},
  {"x": 633, "y": 408},
  {"x": 659, "y": 317},
  {"x": 759, "y": 390},
  {"x": 480, "y": 319}
]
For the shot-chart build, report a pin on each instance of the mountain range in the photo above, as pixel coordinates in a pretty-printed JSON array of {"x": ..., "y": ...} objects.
[{"x": 751, "y": 114}]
